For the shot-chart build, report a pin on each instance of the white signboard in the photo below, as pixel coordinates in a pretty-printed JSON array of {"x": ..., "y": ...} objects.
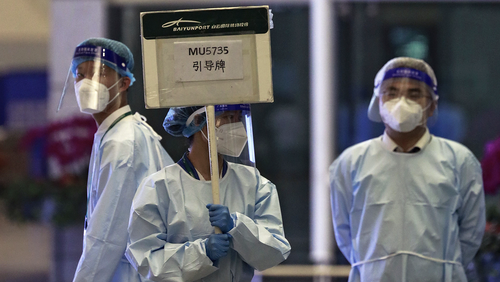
[
  {"x": 206, "y": 57},
  {"x": 208, "y": 60}
]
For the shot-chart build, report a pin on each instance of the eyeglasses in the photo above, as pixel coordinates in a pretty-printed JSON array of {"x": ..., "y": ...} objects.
[{"x": 415, "y": 94}]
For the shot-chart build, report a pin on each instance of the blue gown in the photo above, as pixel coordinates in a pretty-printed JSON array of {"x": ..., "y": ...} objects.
[
  {"x": 121, "y": 158},
  {"x": 408, "y": 217},
  {"x": 169, "y": 225}
]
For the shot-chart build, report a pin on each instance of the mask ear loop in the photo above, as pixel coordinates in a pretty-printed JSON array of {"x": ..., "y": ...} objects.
[
  {"x": 424, "y": 110},
  {"x": 117, "y": 94},
  {"x": 206, "y": 138},
  {"x": 434, "y": 98},
  {"x": 115, "y": 84},
  {"x": 193, "y": 115}
]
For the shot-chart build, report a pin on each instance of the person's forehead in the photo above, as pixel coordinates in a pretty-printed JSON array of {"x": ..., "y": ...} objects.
[
  {"x": 231, "y": 112},
  {"x": 90, "y": 65},
  {"x": 403, "y": 82}
]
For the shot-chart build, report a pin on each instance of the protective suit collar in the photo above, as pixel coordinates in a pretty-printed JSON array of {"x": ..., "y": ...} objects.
[
  {"x": 110, "y": 119},
  {"x": 188, "y": 167},
  {"x": 390, "y": 145}
]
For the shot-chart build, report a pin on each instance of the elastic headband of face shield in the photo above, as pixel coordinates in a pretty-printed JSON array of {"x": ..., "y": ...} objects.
[
  {"x": 219, "y": 109},
  {"x": 408, "y": 73},
  {"x": 85, "y": 53},
  {"x": 400, "y": 72},
  {"x": 236, "y": 107}
]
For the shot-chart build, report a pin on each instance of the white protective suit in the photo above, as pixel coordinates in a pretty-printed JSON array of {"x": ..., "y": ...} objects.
[
  {"x": 402, "y": 217},
  {"x": 169, "y": 225},
  {"x": 129, "y": 152}
]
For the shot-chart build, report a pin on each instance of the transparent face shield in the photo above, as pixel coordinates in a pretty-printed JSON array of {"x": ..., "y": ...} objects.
[
  {"x": 91, "y": 77},
  {"x": 405, "y": 103},
  {"x": 403, "y": 94},
  {"x": 233, "y": 131}
]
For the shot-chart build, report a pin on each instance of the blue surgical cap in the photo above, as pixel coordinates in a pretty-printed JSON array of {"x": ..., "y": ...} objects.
[
  {"x": 178, "y": 123},
  {"x": 176, "y": 119},
  {"x": 119, "y": 59}
]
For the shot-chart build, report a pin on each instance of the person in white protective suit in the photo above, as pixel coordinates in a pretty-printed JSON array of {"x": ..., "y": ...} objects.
[
  {"x": 125, "y": 150},
  {"x": 407, "y": 206},
  {"x": 172, "y": 219}
]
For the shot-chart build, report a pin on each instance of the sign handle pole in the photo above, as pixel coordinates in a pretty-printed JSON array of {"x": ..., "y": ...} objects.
[{"x": 214, "y": 160}]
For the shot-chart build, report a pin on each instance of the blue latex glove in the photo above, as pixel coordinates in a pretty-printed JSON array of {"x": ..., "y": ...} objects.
[
  {"x": 220, "y": 217},
  {"x": 217, "y": 246}
]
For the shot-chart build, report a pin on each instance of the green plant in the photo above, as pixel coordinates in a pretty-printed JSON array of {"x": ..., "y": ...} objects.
[
  {"x": 23, "y": 199},
  {"x": 487, "y": 259},
  {"x": 62, "y": 202}
]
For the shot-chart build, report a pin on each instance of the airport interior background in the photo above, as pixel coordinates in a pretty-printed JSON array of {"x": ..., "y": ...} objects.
[{"x": 42, "y": 211}]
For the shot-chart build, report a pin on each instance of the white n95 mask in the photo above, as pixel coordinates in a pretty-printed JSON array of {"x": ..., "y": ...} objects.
[
  {"x": 401, "y": 114},
  {"x": 231, "y": 139},
  {"x": 92, "y": 96}
]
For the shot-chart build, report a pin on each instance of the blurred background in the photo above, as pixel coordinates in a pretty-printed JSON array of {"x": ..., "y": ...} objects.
[{"x": 44, "y": 155}]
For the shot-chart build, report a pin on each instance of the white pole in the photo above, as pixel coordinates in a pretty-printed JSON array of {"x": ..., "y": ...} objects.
[
  {"x": 322, "y": 30},
  {"x": 214, "y": 160}
]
